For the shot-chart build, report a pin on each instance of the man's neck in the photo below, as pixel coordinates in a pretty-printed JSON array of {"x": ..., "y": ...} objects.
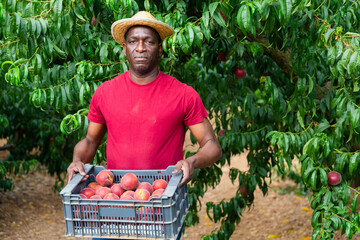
[{"x": 143, "y": 79}]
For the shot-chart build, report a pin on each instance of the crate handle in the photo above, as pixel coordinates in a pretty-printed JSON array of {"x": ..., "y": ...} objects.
[
  {"x": 173, "y": 184},
  {"x": 76, "y": 180}
]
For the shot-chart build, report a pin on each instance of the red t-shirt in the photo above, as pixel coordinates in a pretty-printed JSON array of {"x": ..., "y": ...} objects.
[{"x": 145, "y": 123}]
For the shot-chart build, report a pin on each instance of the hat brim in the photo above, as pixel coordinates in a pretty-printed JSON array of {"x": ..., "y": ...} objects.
[{"x": 120, "y": 27}]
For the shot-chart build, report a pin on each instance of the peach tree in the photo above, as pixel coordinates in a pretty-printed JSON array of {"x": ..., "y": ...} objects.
[{"x": 280, "y": 80}]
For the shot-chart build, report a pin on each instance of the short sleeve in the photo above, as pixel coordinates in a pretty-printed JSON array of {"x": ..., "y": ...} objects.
[
  {"x": 95, "y": 114},
  {"x": 195, "y": 111}
]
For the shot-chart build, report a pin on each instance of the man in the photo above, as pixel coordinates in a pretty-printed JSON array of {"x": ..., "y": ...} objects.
[{"x": 145, "y": 111}]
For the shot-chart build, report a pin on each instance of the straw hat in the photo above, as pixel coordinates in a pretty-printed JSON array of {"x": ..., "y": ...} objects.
[{"x": 120, "y": 27}]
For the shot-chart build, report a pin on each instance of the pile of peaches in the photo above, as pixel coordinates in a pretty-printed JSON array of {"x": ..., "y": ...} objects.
[{"x": 129, "y": 188}]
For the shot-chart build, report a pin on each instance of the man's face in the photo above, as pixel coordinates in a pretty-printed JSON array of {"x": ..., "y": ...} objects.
[{"x": 142, "y": 49}]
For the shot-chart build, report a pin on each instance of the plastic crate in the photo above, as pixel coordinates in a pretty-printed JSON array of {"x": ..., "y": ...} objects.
[{"x": 159, "y": 218}]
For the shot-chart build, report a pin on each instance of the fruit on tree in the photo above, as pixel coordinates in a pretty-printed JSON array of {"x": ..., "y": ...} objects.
[
  {"x": 334, "y": 178},
  {"x": 88, "y": 192},
  {"x": 160, "y": 183},
  {"x": 221, "y": 132},
  {"x": 111, "y": 196},
  {"x": 129, "y": 181},
  {"x": 142, "y": 194},
  {"x": 243, "y": 191},
  {"x": 105, "y": 178},
  {"x": 93, "y": 21},
  {"x": 103, "y": 191},
  {"x": 117, "y": 189},
  {"x": 222, "y": 56},
  {"x": 147, "y": 186},
  {"x": 240, "y": 73}
]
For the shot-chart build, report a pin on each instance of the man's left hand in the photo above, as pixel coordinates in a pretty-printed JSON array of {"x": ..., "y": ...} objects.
[{"x": 187, "y": 168}]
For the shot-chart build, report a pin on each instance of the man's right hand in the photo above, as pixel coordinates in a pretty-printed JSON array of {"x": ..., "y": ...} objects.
[{"x": 76, "y": 167}]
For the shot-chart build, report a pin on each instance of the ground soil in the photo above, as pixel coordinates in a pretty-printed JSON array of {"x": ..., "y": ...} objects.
[{"x": 33, "y": 211}]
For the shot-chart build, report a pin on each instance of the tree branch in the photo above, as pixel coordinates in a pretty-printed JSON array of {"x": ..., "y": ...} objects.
[
  {"x": 7, "y": 147},
  {"x": 281, "y": 58}
]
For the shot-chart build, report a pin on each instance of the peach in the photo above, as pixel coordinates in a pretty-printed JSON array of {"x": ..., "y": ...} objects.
[
  {"x": 158, "y": 192},
  {"x": 127, "y": 197},
  {"x": 129, "y": 181},
  {"x": 83, "y": 196},
  {"x": 96, "y": 187},
  {"x": 145, "y": 214},
  {"x": 112, "y": 196},
  {"x": 142, "y": 194},
  {"x": 95, "y": 197},
  {"x": 158, "y": 184},
  {"x": 128, "y": 193},
  {"x": 92, "y": 184},
  {"x": 103, "y": 191},
  {"x": 117, "y": 189},
  {"x": 146, "y": 186},
  {"x": 88, "y": 192},
  {"x": 105, "y": 178}
]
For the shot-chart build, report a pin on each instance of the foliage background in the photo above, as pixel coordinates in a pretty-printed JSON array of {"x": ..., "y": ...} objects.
[{"x": 299, "y": 99}]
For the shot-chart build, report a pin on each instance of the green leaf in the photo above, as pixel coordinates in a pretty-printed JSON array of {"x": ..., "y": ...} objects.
[
  {"x": 354, "y": 160},
  {"x": 323, "y": 176},
  {"x": 300, "y": 119},
  {"x": 315, "y": 218},
  {"x": 328, "y": 35},
  {"x": 104, "y": 53},
  {"x": 331, "y": 56},
  {"x": 212, "y": 8},
  {"x": 346, "y": 195},
  {"x": 58, "y": 7},
  {"x": 335, "y": 222},
  {"x": 191, "y": 34},
  {"x": 322, "y": 126},
  {"x": 313, "y": 180},
  {"x": 353, "y": 63},
  {"x": 285, "y": 10},
  {"x": 354, "y": 203},
  {"x": 219, "y": 19},
  {"x": 345, "y": 58}
]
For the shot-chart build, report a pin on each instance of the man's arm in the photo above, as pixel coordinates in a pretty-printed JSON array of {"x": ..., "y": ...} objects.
[
  {"x": 85, "y": 150},
  {"x": 210, "y": 151}
]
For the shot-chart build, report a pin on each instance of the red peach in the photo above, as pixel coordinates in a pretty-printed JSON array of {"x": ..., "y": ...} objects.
[
  {"x": 142, "y": 194},
  {"x": 105, "y": 178},
  {"x": 117, "y": 189},
  {"x": 145, "y": 214},
  {"x": 83, "y": 196},
  {"x": 222, "y": 56},
  {"x": 146, "y": 186},
  {"x": 88, "y": 192},
  {"x": 127, "y": 197},
  {"x": 92, "y": 185},
  {"x": 112, "y": 196},
  {"x": 160, "y": 183},
  {"x": 158, "y": 192},
  {"x": 95, "y": 197},
  {"x": 129, "y": 181},
  {"x": 240, "y": 73},
  {"x": 97, "y": 187},
  {"x": 128, "y": 193},
  {"x": 221, "y": 132},
  {"x": 334, "y": 178},
  {"x": 103, "y": 191}
]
